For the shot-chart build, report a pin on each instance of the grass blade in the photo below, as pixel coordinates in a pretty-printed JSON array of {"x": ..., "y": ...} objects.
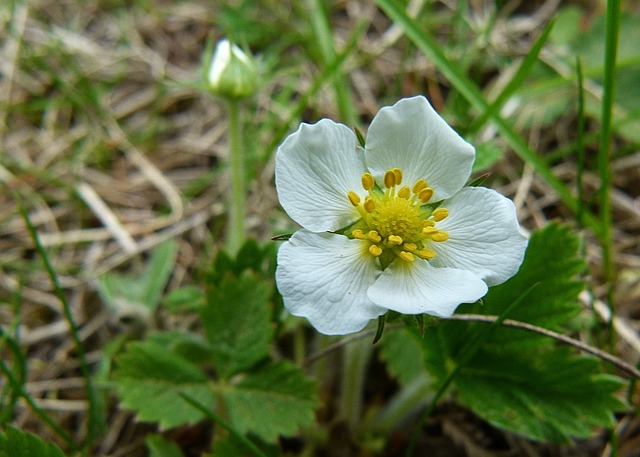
[
  {"x": 469, "y": 90},
  {"x": 514, "y": 84},
  {"x": 612, "y": 29},
  {"x": 94, "y": 419}
]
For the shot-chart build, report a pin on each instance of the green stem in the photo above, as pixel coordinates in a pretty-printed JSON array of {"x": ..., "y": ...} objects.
[
  {"x": 356, "y": 360},
  {"x": 604, "y": 154},
  {"x": 237, "y": 197}
]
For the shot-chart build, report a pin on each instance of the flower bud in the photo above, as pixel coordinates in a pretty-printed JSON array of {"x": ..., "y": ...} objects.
[{"x": 232, "y": 73}]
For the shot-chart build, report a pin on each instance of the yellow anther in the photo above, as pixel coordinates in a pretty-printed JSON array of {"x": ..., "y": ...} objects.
[
  {"x": 419, "y": 185},
  {"x": 428, "y": 224},
  {"x": 407, "y": 256},
  {"x": 374, "y": 236},
  {"x": 410, "y": 246},
  {"x": 440, "y": 236},
  {"x": 440, "y": 214},
  {"x": 353, "y": 198},
  {"x": 425, "y": 194},
  {"x": 405, "y": 192},
  {"x": 367, "y": 181},
  {"x": 398, "y": 174},
  {"x": 369, "y": 205},
  {"x": 375, "y": 250},
  {"x": 395, "y": 239},
  {"x": 426, "y": 253},
  {"x": 359, "y": 234},
  {"x": 429, "y": 230},
  {"x": 389, "y": 179}
]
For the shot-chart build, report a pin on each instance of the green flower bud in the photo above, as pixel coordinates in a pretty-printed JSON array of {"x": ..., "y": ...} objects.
[{"x": 232, "y": 73}]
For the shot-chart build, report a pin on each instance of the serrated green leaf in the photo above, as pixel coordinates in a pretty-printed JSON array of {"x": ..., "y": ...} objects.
[
  {"x": 552, "y": 397},
  {"x": 237, "y": 322},
  {"x": 149, "y": 378},
  {"x": 160, "y": 447},
  {"x": 16, "y": 443},
  {"x": 277, "y": 400},
  {"x": 522, "y": 381}
]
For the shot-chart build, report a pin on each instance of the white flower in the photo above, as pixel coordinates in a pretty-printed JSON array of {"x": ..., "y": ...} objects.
[
  {"x": 388, "y": 226},
  {"x": 232, "y": 72}
]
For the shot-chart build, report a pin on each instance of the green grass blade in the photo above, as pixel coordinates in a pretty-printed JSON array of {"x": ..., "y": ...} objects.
[
  {"x": 218, "y": 420},
  {"x": 17, "y": 387},
  {"x": 612, "y": 29},
  {"x": 322, "y": 31},
  {"x": 580, "y": 141},
  {"x": 469, "y": 90},
  {"x": 516, "y": 81},
  {"x": 94, "y": 419}
]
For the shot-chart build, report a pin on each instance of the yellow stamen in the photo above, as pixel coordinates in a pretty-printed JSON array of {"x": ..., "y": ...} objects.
[
  {"x": 429, "y": 230},
  {"x": 374, "y": 236},
  {"x": 410, "y": 246},
  {"x": 389, "y": 179},
  {"x": 353, "y": 198},
  {"x": 440, "y": 214},
  {"x": 419, "y": 185},
  {"x": 407, "y": 256},
  {"x": 440, "y": 236},
  {"x": 405, "y": 192},
  {"x": 428, "y": 224},
  {"x": 375, "y": 250},
  {"x": 367, "y": 181},
  {"x": 358, "y": 234},
  {"x": 425, "y": 194},
  {"x": 426, "y": 253},
  {"x": 395, "y": 239},
  {"x": 398, "y": 174},
  {"x": 369, "y": 205}
]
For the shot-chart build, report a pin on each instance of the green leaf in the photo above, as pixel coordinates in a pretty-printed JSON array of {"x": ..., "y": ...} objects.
[
  {"x": 140, "y": 294},
  {"x": 550, "y": 396},
  {"x": 274, "y": 401},
  {"x": 159, "y": 446},
  {"x": 149, "y": 378},
  {"x": 237, "y": 322},
  {"x": 522, "y": 381},
  {"x": 401, "y": 351},
  {"x": 16, "y": 443},
  {"x": 187, "y": 298}
]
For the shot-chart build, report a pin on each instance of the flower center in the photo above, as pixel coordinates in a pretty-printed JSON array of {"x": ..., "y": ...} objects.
[{"x": 396, "y": 221}]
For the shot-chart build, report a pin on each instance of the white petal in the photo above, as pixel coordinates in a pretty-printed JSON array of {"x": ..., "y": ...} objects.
[
  {"x": 325, "y": 277},
  {"x": 315, "y": 169},
  {"x": 418, "y": 287},
  {"x": 484, "y": 235},
  {"x": 411, "y": 136}
]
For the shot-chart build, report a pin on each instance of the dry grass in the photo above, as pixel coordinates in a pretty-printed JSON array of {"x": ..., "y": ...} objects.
[{"x": 110, "y": 139}]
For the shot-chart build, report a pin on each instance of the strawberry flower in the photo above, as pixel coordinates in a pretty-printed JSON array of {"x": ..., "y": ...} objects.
[{"x": 388, "y": 226}]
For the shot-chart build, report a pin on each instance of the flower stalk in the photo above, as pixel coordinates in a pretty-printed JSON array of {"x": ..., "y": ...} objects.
[{"x": 236, "y": 230}]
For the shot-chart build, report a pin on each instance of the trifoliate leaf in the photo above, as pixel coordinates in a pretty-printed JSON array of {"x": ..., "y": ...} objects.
[
  {"x": 277, "y": 400},
  {"x": 16, "y": 443},
  {"x": 149, "y": 379},
  {"x": 523, "y": 381},
  {"x": 237, "y": 322}
]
